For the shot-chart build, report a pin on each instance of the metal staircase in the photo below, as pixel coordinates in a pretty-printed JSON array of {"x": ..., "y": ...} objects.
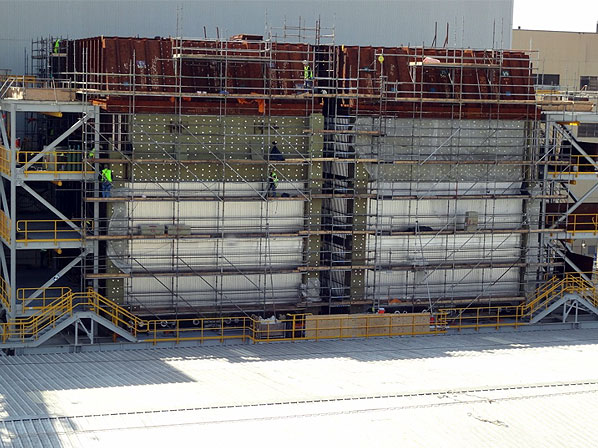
[
  {"x": 69, "y": 309},
  {"x": 570, "y": 292}
]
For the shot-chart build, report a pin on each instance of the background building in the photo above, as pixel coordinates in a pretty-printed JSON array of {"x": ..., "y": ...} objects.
[{"x": 567, "y": 60}]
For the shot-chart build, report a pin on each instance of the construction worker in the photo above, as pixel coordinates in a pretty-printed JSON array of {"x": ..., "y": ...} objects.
[
  {"x": 275, "y": 153},
  {"x": 308, "y": 75},
  {"x": 272, "y": 183},
  {"x": 57, "y": 46},
  {"x": 106, "y": 174}
]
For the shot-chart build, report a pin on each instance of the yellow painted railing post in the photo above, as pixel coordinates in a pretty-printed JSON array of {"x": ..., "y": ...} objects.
[
  {"x": 293, "y": 324},
  {"x": 317, "y": 329}
]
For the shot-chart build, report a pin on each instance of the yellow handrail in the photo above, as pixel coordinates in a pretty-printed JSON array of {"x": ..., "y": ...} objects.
[
  {"x": 4, "y": 226},
  {"x": 516, "y": 315},
  {"x": 47, "y": 296},
  {"x": 54, "y": 162},
  {"x": 4, "y": 160},
  {"x": 296, "y": 327},
  {"x": 573, "y": 164},
  {"x": 5, "y": 294},
  {"x": 215, "y": 328},
  {"x": 43, "y": 230}
]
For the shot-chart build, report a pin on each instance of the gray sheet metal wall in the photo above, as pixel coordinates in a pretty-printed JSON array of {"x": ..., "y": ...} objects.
[
  {"x": 423, "y": 264},
  {"x": 473, "y": 23}
]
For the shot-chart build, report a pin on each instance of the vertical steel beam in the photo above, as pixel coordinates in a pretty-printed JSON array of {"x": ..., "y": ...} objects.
[
  {"x": 5, "y": 140},
  {"x": 5, "y": 206},
  {"x": 13, "y": 212},
  {"x": 96, "y": 205}
]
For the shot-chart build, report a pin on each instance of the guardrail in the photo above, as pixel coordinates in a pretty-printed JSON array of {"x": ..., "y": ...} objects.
[
  {"x": 245, "y": 328},
  {"x": 4, "y": 226},
  {"x": 54, "y": 162},
  {"x": 575, "y": 223},
  {"x": 296, "y": 327},
  {"x": 4, "y": 294},
  {"x": 517, "y": 315},
  {"x": 4, "y": 160},
  {"x": 46, "y": 230},
  {"x": 42, "y": 301},
  {"x": 572, "y": 164}
]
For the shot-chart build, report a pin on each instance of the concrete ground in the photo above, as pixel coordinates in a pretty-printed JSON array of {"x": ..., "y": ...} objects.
[{"x": 508, "y": 389}]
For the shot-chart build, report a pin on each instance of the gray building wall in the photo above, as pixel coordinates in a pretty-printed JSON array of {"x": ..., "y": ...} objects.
[{"x": 472, "y": 23}]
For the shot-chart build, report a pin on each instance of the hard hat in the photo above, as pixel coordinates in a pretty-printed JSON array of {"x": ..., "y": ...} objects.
[{"x": 305, "y": 62}]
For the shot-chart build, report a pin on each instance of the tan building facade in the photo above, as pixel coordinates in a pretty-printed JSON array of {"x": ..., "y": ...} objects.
[{"x": 565, "y": 59}]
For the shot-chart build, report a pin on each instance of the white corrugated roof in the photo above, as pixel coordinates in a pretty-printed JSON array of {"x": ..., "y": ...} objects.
[{"x": 503, "y": 389}]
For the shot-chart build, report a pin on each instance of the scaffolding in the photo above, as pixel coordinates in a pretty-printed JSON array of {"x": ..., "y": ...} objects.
[{"x": 410, "y": 179}]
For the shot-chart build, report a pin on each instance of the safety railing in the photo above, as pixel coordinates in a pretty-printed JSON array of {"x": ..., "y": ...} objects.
[
  {"x": 575, "y": 222},
  {"x": 20, "y": 80},
  {"x": 517, "y": 315},
  {"x": 54, "y": 162},
  {"x": 245, "y": 328},
  {"x": 309, "y": 327},
  {"x": 5, "y": 294},
  {"x": 43, "y": 300},
  {"x": 4, "y": 226},
  {"x": 31, "y": 327},
  {"x": 574, "y": 164},
  {"x": 46, "y": 230},
  {"x": 4, "y": 160},
  {"x": 295, "y": 327}
]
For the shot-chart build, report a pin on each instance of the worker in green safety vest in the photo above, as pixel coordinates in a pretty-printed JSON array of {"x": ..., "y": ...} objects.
[
  {"x": 57, "y": 46},
  {"x": 308, "y": 75},
  {"x": 272, "y": 183},
  {"x": 106, "y": 182}
]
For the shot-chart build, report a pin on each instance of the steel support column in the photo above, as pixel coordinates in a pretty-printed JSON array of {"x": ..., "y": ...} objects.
[
  {"x": 13, "y": 212},
  {"x": 96, "y": 194}
]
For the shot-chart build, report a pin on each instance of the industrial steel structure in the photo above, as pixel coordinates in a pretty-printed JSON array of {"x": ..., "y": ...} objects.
[{"x": 410, "y": 179}]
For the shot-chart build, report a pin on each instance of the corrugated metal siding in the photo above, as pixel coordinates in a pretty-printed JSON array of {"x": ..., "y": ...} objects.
[
  {"x": 157, "y": 256},
  {"x": 445, "y": 284},
  {"x": 214, "y": 291},
  {"x": 400, "y": 215},
  {"x": 241, "y": 217},
  {"x": 409, "y": 250}
]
